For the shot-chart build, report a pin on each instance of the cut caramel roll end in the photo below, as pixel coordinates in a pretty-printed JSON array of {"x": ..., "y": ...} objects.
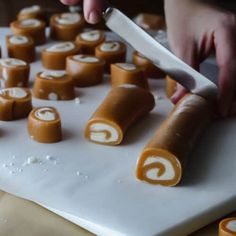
[{"x": 227, "y": 227}]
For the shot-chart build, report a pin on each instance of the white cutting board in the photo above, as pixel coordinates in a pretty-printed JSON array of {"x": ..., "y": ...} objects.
[{"x": 106, "y": 198}]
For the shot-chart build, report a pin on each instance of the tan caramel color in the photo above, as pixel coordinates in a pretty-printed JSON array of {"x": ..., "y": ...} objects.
[
  {"x": 170, "y": 86},
  {"x": 224, "y": 230},
  {"x": 151, "y": 71},
  {"x": 12, "y": 108},
  {"x": 25, "y": 52},
  {"x": 61, "y": 86},
  {"x": 36, "y": 33},
  {"x": 85, "y": 73},
  {"x": 67, "y": 32},
  {"x": 121, "y": 76},
  {"x": 40, "y": 15},
  {"x": 88, "y": 47},
  {"x": 111, "y": 57},
  {"x": 45, "y": 131},
  {"x": 121, "y": 108},
  {"x": 57, "y": 60},
  {"x": 175, "y": 139}
]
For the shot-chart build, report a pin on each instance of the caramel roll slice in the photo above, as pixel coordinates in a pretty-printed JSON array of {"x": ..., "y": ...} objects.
[
  {"x": 20, "y": 47},
  {"x": 111, "y": 52},
  {"x": 227, "y": 227},
  {"x": 52, "y": 85},
  {"x": 32, "y": 12},
  {"x": 88, "y": 41},
  {"x": 163, "y": 159},
  {"x": 44, "y": 125},
  {"x": 151, "y": 70},
  {"x": 66, "y": 26},
  {"x": 121, "y": 108},
  {"x": 170, "y": 86},
  {"x": 126, "y": 73},
  {"x": 15, "y": 103},
  {"x": 14, "y": 73},
  {"x": 54, "y": 57},
  {"x": 85, "y": 70}
]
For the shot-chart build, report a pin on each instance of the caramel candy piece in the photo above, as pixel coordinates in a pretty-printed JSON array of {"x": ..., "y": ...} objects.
[
  {"x": 44, "y": 125},
  {"x": 32, "y": 28},
  {"x": 227, "y": 227},
  {"x": 85, "y": 70},
  {"x": 111, "y": 52},
  {"x": 163, "y": 159},
  {"x": 126, "y": 73},
  {"x": 14, "y": 73},
  {"x": 170, "y": 86},
  {"x": 66, "y": 26},
  {"x": 88, "y": 41},
  {"x": 52, "y": 85},
  {"x": 20, "y": 47},
  {"x": 32, "y": 12},
  {"x": 54, "y": 57},
  {"x": 121, "y": 108},
  {"x": 151, "y": 70},
  {"x": 15, "y": 103}
]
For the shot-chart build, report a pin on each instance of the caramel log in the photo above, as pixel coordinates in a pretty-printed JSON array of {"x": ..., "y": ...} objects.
[
  {"x": 88, "y": 41},
  {"x": 20, "y": 47},
  {"x": 164, "y": 157},
  {"x": 227, "y": 227},
  {"x": 122, "y": 107},
  {"x": 31, "y": 28},
  {"x": 85, "y": 70},
  {"x": 151, "y": 70},
  {"x": 125, "y": 73},
  {"x": 111, "y": 52},
  {"x": 44, "y": 125},
  {"x": 14, "y": 73},
  {"x": 15, "y": 103},
  {"x": 53, "y": 86},
  {"x": 32, "y": 12},
  {"x": 66, "y": 26},
  {"x": 170, "y": 86},
  {"x": 54, "y": 57}
]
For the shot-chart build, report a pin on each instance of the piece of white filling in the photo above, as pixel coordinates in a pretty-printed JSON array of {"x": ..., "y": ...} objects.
[
  {"x": 45, "y": 114},
  {"x": 231, "y": 225},
  {"x": 14, "y": 92},
  {"x": 103, "y": 133},
  {"x": 152, "y": 174},
  {"x": 52, "y": 74},
  {"x": 110, "y": 47},
  {"x": 12, "y": 62},
  {"x": 31, "y": 9},
  {"x": 52, "y": 96},
  {"x": 18, "y": 40},
  {"x": 127, "y": 66},
  {"x": 89, "y": 59},
  {"x": 30, "y": 23},
  {"x": 61, "y": 47},
  {"x": 68, "y": 18},
  {"x": 128, "y": 86},
  {"x": 91, "y": 36}
]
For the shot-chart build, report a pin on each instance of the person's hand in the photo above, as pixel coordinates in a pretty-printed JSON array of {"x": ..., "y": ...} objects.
[
  {"x": 92, "y": 9},
  {"x": 194, "y": 30}
]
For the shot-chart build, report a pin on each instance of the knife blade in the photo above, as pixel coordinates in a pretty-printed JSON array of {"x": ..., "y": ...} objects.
[{"x": 159, "y": 55}]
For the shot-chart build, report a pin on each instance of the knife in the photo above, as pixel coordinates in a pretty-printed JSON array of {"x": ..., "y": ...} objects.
[{"x": 159, "y": 55}]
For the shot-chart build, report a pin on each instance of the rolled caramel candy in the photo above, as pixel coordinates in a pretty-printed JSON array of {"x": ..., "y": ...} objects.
[
  {"x": 15, "y": 103},
  {"x": 44, "y": 125},
  {"x": 32, "y": 12},
  {"x": 111, "y": 52},
  {"x": 54, "y": 57},
  {"x": 85, "y": 70},
  {"x": 151, "y": 70},
  {"x": 227, "y": 227},
  {"x": 163, "y": 159},
  {"x": 170, "y": 86},
  {"x": 32, "y": 28},
  {"x": 88, "y": 41},
  {"x": 126, "y": 73},
  {"x": 20, "y": 47},
  {"x": 52, "y": 85},
  {"x": 13, "y": 73},
  {"x": 122, "y": 107},
  {"x": 66, "y": 26}
]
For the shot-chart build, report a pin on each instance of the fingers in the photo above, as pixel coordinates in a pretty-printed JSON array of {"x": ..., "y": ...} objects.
[
  {"x": 69, "y": 2},
  {"x": 93, "y": 10},
  {"x": 180, "y": 92}
]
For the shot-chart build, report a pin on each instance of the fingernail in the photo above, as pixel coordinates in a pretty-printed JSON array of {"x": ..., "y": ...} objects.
[{"x": 94, "y": 17}]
